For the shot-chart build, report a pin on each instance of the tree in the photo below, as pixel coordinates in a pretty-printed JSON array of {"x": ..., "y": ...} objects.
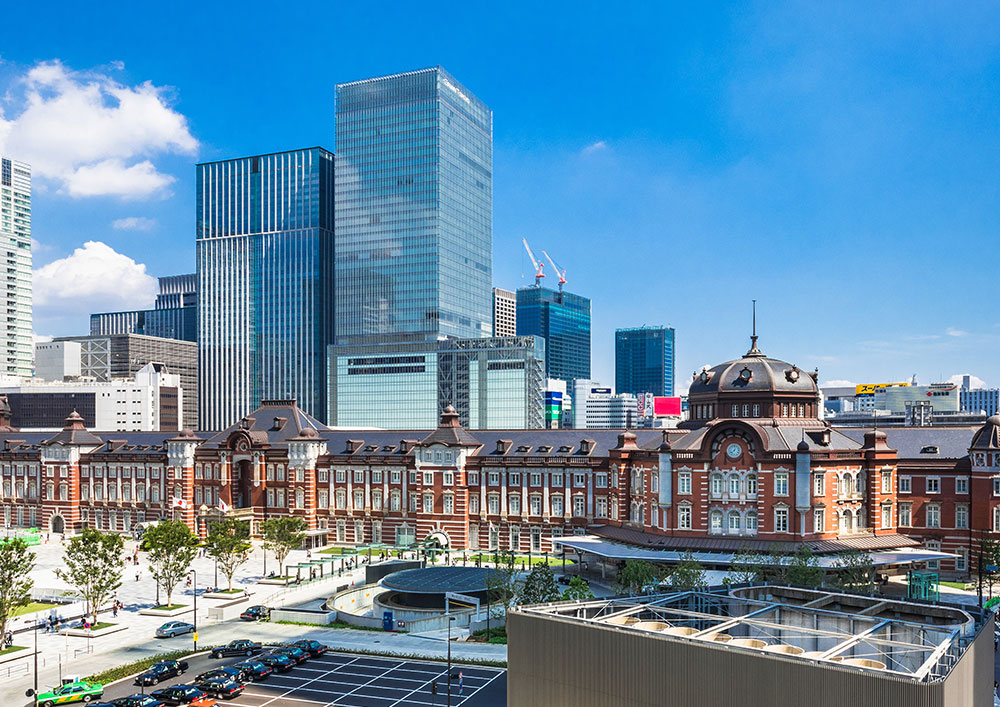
[
  {"x": 687, "y": 574},
  {"x": 634, "y": 576},
  {"x": 228, "y": 543},
  {"x": 747, "y": 566},
  {"x": 855, "y": 571},
  {"x": 93, "y": 564},
  {"x": 16, "y": 563},
  {"x": 172, "y": 547},
  {"x": 539, "y": 586},
  {"x": 577, "y": 589},
  {"x": 775, "y": 568},
  {"x": 501, "y": 582},
  {"x": 804, "y": 570},
  {"x": 282, "y": 535},
  {"x": 989, "y": 556}
]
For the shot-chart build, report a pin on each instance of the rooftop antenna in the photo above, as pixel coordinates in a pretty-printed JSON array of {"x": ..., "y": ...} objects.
[
  {"x": 754, "y": 351},
  {"x": 537, "y": 265}
]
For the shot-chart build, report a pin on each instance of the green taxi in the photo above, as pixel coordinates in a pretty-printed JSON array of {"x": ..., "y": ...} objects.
[{"x": 71, "y": 692}]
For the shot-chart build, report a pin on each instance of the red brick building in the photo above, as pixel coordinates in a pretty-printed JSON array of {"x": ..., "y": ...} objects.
[{"x": 753, "y": 466}]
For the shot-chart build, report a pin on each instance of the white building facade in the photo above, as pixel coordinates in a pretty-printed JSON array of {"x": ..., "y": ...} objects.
[{"x": 15, "y": 242}]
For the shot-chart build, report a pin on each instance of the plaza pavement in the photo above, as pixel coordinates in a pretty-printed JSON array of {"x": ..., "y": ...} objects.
[{"x": 62, "y": 655}]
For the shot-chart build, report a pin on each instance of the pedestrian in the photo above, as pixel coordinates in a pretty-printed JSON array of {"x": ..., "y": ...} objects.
[
  {"x": 114, "y": 609},
  {"x": 460, "y": 685},
  {"x": 8, "y": 639},
  {"x": 136, "y": 576}
]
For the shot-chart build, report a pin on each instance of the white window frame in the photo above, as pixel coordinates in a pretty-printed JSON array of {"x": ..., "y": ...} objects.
[
  {"x": 905, "y": 484},
  {"x": 933, "y": 484},
  {"x": 781, "y": 483},
  {"x": 684, "y": 483}
]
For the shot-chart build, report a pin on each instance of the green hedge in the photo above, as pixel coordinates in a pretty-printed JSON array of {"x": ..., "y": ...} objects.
[{"x": 138, "y": 666}]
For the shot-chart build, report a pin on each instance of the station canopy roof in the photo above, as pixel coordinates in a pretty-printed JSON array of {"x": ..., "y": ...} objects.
[{"x": 618, "y": 551}]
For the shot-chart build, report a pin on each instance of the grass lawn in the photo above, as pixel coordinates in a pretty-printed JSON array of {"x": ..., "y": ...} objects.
[
  {"x": 228, "y": 591},
  {"x": 12, "y": 649},
  {"x": 518, "y": 559},
  {"x": 30, "y": 608},
  {"x": 957, "y": 585},
  {"x": 168, "y": 607}
]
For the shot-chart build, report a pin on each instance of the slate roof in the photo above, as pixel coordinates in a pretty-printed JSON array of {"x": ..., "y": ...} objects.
[
  {"x": 74, "y": 433},
  {"x": 952, "y": 442},
  {"x": 273, "y": 423},
  {"x": 766, "y": 374}
]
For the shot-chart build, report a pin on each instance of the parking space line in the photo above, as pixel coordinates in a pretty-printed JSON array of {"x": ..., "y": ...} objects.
[
  {"x": 370, "y": 682},
  {"x": 292, "y": 690}
]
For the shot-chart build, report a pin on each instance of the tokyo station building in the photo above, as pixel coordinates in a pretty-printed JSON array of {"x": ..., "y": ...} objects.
[{"x": 753, "y": 466}]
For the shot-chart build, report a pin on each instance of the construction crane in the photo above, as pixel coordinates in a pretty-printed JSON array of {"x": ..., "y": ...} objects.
[
  {"x": 538, "y": 266},
  {"x": 559, "y": 271}
]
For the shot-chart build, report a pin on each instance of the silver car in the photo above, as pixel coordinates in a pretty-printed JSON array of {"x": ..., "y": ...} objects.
[{"x": 174, "y": 628}]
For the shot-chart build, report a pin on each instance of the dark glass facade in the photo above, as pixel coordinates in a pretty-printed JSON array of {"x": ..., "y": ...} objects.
[
  {"x": 644, "y": 360},
  {"x": 413, "y": 207},
  {"x": 265, "y": 282},
  {"x": 175, "y": 315},
  {"x": 563, "y": 320},
  {"x": 50, "y": 410}
]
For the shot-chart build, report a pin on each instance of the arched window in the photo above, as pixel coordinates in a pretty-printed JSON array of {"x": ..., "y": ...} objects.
[
  {"x": 746, "y": 410},
  {"x": 860, "y": 519},
  {"x": 300, "y": 498},
  {"x": 996, "y": 519},
  {"x": 716, "y": 521},
  {"x": 716, "y": 485},
  {"x": 750, "y": 522},
  {"x": 751, "y": 484},
  {"x": 756, "y": 410},
  {"x": 734, "y": 485},
  {"x": 63, "y": 491},
  {"x": 734, "y": 523}
]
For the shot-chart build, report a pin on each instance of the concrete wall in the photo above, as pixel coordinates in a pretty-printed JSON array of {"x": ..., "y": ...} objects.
[
  {"x": 304, "y": 616},
  {"x": 614, "y": 666}
]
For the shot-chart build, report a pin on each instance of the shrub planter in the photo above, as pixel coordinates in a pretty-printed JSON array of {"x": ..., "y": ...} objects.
[
  {"x": 174, "y": 610},
  {"x": 235, "y": 594},
  {"x": 280, "y": 581},
  {"x": 103, "y": 629}
]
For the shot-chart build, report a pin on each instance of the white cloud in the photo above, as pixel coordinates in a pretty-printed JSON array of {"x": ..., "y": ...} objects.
[
  {"x": 974, "y": 381},
  {"x": 40, "y": 338},
  {"x": 951, "y": 331},
  {"x": 594, "y": 147},
  {"x": 90, "y": 134},
  {"x": 95, "y": 278},
  {"x": 133, "y": 223},
  {"x": 838, "y": 383}
]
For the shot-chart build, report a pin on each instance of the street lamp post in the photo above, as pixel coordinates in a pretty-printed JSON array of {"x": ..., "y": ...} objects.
[
  {"x": 194, "y": 588},
  {"x": 36, "y": 657},
  {"x": 450, "y": 619}
]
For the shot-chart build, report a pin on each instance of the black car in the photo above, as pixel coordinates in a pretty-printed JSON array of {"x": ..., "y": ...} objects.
[
  {"x": 293, "y": 652},
  {"x": 279, "y": 662},
  {"x": 230, "y": 672},
  {"x": 180, "y": 694},
  {"x": 313, "y": 648},
  {"x": 237, "y": 647},
  {"x": 221, "y": 688},
  {"x": 259, "y": 612},
  {"x": 137, "y": 701},
  {"x": 254, "y": 670},
  {"x": 158, "y": 672}
]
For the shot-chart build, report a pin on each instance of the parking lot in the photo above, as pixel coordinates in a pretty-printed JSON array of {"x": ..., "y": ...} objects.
[{"x": 360, "y": 681}]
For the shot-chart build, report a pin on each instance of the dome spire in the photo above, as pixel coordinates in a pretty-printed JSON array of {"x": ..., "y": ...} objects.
[{"x": 754, "y": 351}]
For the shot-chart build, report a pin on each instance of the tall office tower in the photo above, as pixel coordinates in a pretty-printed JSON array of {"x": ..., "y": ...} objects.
[
  {"x": 504, "y": 313},
  {"x": 175, "y": 313},
  {"x": 414, "y": 208},
  {"x": 563, "y": 320},
  {"x": 644, "y": 360},
  {"x": 265, "y": 282},
  {"x": 15, "y": 240}
]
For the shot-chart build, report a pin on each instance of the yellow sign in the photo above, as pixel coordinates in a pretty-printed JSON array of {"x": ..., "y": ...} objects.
[
  {"x": 872, "y": 388},
  {"x": 195, "y": 636}
]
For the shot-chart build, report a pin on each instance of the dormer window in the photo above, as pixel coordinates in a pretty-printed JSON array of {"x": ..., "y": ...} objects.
[{"x": 929, "y": 449}]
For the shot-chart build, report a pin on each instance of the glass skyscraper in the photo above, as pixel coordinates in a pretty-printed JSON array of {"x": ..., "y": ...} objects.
[
  {"x": 265, "y": 274},
  {"x": 493, "y": 382},
  {"x": 15, "y": 239},
  {"x": 414, "y": 208},
  {"x": 563, "y": 320},
  {"x": 644, "y": 360}
]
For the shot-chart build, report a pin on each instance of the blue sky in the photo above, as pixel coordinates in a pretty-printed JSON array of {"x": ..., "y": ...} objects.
[{"x": 835, "y": 161}]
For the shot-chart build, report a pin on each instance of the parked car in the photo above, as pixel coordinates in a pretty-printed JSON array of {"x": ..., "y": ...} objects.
[
  {"x": 221, "y": 687},
  {"x": 78, "y": 691},
  {"x": 313, "y": 648},
  {"x": 278, "y": 662},
  {"x": 229, "y": 672},
  {"x": 564, "y": 579},
  {"x": 158, "y": 672},
  {"x": 137, "y": 700},
  {"x": 174, "y": 628},
  {"x": 254, "y": 670},
  {"x": 258, "y": 612},
  {"x": 237, "y": 647},
  {"x": 293, "y": 652},
  {"x": 187, "y": 695}
]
